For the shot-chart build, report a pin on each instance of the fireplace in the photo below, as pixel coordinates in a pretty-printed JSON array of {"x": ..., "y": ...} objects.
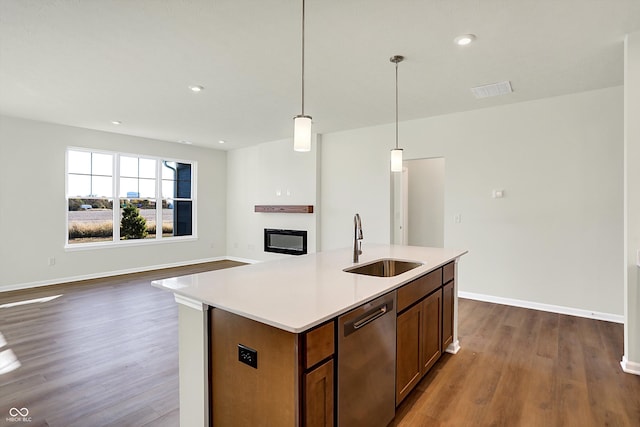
[{"x": 291, "y": 242}]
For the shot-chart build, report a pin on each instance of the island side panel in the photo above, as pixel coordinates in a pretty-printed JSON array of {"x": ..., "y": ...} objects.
[
  {"x": 193, "y": 362},
  {"x": 454, "y": 347},
  {"x": 242, "y": 394}
]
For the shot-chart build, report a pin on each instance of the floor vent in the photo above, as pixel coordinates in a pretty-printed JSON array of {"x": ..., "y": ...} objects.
[{"x": 494, "y": 89}]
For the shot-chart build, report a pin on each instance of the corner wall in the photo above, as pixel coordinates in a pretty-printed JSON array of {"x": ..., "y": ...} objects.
[
  {"x": 631, "y": 358},
  {"x": 32, "y": 206},
  {"x": 554, "y": 239}
]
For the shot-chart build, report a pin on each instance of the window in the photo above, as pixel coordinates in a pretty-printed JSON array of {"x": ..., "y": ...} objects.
[{"x": 154, "y": 198}]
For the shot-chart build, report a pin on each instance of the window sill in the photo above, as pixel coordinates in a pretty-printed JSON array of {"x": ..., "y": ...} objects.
[{"x": 127, "y": 243}]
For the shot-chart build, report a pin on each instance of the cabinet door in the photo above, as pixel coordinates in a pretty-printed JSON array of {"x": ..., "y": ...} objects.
[
  {"x": 318, "y": 396},
  {"x": 432, "y": 332},
  {"x": 408, "y": 360},
  {"x": 447, "y": 315}
]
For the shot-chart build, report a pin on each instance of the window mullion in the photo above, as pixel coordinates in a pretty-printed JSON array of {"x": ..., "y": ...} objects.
[
  {"x": 116, "y": 197},
  {"x": 158, "y": 199}
]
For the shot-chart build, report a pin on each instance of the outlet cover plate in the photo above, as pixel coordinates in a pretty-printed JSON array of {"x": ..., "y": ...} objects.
[{"x": 248, "y": 356}]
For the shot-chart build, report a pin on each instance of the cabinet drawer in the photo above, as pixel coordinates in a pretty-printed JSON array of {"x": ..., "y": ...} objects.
[
  {"x": 319, "y": 344},
  {"x": 448, "y": 272},
  {"x": 419, "y": 288}
]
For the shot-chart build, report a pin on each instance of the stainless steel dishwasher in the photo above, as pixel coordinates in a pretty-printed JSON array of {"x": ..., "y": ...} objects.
[{"x": 367, "y": 364}]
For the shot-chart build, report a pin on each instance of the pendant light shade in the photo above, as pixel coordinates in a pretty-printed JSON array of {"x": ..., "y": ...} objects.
[
  {"x": 302, "y": 122},
  {"x": 396, "y": 153},
  {"x": 302, "y": 133},
  {"x": 396, "y": 160}
]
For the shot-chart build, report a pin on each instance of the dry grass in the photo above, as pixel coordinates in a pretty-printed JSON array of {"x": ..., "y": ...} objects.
[
  {"x": 84, "y": 230},
  {"x": 167, "y": 228},
  {"x": 103, "y": 230}
]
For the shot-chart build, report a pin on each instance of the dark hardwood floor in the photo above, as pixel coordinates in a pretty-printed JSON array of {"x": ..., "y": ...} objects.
[
  {"x": 104, "y": 353},
  {"x": 520, "y": 367}
]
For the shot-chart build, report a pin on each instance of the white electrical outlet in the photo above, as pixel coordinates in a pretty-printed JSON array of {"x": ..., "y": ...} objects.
[
  {"x": 52, "y": 261},
  {"x": 458, "y": 218}
]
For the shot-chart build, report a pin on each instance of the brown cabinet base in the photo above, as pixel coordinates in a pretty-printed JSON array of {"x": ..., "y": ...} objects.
[
  {"x": 424, "y": 327},
  {"x": 291, "y": 385}
]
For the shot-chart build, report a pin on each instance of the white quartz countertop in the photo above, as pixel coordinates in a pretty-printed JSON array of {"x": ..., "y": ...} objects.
[{"x": 298, "y": 293}]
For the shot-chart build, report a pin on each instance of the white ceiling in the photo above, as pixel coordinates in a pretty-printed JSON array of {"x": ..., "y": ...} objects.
[{"x": 85, "y": 63}]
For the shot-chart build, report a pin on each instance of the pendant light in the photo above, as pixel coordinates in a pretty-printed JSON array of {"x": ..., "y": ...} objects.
[
  {"x": 302, "y": 122},
  {"x": 396, "y": 153}
]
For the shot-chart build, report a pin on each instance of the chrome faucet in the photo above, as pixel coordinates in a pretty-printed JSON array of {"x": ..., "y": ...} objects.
[{"x": 357, "y": 238}]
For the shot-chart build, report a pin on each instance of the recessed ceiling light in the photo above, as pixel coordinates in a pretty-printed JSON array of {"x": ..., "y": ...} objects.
[
  {"x": 222, "y": 141},
  {"x": 196, "y": 88},
  {"x": 464, "y": 39},
  {"x": 116, "y": 122}
]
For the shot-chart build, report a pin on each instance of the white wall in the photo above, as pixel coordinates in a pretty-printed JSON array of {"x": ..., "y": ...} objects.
[
  {"x": 354, "y": 174},
  {"x": 32, "y": 205},
  {"x": 269, "y": 174},
  {"x": 555, "y": 236},
  {"x": 426, "y": 202},
  {"x": 631, "y": 360}
]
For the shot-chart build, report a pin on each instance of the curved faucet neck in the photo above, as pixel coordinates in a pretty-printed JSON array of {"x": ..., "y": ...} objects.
[{"x": 357, "y": 238}]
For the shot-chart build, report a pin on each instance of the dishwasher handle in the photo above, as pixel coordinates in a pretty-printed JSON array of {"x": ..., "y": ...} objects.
[{"x": 368, "y": 317}]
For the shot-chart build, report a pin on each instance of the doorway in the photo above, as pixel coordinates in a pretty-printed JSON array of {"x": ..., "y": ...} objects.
[{"x": 418, "y": 203}]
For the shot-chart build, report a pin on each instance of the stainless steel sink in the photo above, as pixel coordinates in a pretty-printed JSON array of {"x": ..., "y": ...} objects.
[{"x": 386, "y": 267}]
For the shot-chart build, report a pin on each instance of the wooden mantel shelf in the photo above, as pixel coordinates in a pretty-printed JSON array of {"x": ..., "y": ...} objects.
[{"x": 284, "y": 208}]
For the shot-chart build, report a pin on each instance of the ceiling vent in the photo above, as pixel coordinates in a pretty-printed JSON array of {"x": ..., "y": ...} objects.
[{"x": 494, "y": 89}]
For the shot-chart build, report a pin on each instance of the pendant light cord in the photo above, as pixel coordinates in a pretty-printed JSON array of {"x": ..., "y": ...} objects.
[
  {"x": 396, "y": 105},
  {"x": 303, "y": 57}
]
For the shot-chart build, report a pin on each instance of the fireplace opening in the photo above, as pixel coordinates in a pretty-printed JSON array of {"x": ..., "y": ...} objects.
[{"x": 291, "y": 242}]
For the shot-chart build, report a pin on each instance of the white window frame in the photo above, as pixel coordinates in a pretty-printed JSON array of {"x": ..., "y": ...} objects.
[{"x": 159, "y": 239}]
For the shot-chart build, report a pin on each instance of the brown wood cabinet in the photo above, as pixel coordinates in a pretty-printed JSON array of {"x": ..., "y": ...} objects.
[
  {"x": 318, "y": 377},
  {"x": 431, "y": 330},
  {"x": 424, "y": 326},
  {"x": 318, "y": 396},
  {"x": 246, "y": 395},
  {"x": 291, "y": 384},
  {"x": 418, "y": 342},
  {"x": 408, "y": 355}
]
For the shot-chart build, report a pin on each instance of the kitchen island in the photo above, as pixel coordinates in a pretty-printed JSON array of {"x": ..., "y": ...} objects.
[{"x": 293, "y": 302}]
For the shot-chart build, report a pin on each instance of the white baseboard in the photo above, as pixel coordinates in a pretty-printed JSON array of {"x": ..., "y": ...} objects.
[
  {"x": 453, "y": 348},
  {"x": 609, "y": 317},
  {"x": 245, "y": 260},
  {"x": 59, "y": 280},
  {"x": 630, "y": 367}
]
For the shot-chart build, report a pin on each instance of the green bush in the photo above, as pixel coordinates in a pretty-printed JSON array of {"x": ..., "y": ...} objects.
[{"x": 133, "y": 225}]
